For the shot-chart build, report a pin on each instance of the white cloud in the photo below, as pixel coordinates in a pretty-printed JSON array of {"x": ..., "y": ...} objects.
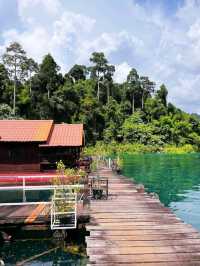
[
  {"x": 174, "y": 58},
  {"x": 108, "y": 43},
  {"x": 185, "y": 91},
  {"x": 29, "y": 40},
  {"x": 194, "y": 31},
  {"x": 70, "y": 22},
  {"x": 48, "y": 31},
  {"x": 189, "y": 11},
  {"x": 37, "y": 11},
  {"x": 121, "y": 72}
]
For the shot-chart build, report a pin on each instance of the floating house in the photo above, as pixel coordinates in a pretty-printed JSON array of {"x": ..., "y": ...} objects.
[{"x": 36, "y": 145}]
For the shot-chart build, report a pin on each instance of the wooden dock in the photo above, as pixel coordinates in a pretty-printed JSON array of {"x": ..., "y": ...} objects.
[
  {"x": 24, "y": 214},
  {"x": 133, "y": 228},
  {"x": 39, "y": 215},
  {"x": 33, "y": 216}
]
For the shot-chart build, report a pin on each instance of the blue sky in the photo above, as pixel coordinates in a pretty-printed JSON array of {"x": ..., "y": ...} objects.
[{"x": 160, "y": 38}]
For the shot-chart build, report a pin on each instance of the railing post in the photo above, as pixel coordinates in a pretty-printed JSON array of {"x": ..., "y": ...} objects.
[
  {"x": 75, "y": 214},
  {"x": 107, "y": 188},
  {"x": 51, "y": 215},
  {"x": 109, "y": 163},
  {"x": 24, "y": 192}
]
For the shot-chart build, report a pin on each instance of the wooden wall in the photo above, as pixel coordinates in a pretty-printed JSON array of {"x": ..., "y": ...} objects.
[
  {"x": 19, "y": 167},
  {"x": 50, "y": 155},
  {"x": 19, "y": 157}
]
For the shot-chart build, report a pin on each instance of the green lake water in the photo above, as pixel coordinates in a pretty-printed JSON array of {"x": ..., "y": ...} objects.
[{"x": 175, "y": 178}]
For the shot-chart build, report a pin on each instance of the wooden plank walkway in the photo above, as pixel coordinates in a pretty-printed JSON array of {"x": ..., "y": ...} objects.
[{"x": 132, "y": 228}]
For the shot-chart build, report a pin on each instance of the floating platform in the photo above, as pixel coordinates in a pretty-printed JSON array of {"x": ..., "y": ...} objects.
[
  {"x": 26, "y": 201},
  {"x": 134, "y": 228},
  {"x": 33, "y": 216}
]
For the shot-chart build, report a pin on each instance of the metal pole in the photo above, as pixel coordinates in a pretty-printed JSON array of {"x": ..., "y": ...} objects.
[
  {"x": 109, "y": 163},
  {"x": 107, "y": 188},
  {"x": 51, "y": 215},
  {"x": 24, "y": 193},
  {"x": 75, "y": 214}
]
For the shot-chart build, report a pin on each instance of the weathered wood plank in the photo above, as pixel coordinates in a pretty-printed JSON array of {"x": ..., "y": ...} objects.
[
  {"x": 153, "y": 258},
  {"x": 182, "y": 263},
  {"x": 114, "y": 250},
  {"x": 134, "y": 221},
  {"x": 35, "y": 213},
  {"x": 120, "y": 215},
  {"x": 141, "y": 232},
  {"x": 21, "y": 211},
  {"x": 145, "y": 237},
  {"x": 127, "y": 211},
  {"x": 5, "y": 211},
  {"x": 96, "y": 242},
  {"x": 132, "y": 228}
]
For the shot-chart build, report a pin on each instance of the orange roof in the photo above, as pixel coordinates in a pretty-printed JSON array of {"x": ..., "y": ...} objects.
[
  {"x": 66, "y": 135},
  {"x": 25, "y": 130}
]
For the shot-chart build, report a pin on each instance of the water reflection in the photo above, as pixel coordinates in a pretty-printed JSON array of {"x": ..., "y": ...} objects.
[
  {"x": 42, "y": 252},
  {"x": 175, "y": 178},
  {"x": 31, "y": 196}
]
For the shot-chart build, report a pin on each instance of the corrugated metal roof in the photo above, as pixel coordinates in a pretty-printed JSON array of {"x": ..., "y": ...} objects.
[
  {"x": 65, "y": 135},
  {"x": 25, "y": 130}
]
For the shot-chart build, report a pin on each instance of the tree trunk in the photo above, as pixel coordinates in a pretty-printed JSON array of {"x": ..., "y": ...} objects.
[
  {"x": 108, "y": 93},
  {"x": 133, "y": 103},
  {"x": 98, "y": 87},
  {"x": 142, "y": 100},
  {"x": 14, "y": 96},
  {"x": 30, "y": 84}
]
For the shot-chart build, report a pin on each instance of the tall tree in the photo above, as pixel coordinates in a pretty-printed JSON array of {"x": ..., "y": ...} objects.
[
  {"x": 78, "y": 72},
  {"x": 132, "y": 85},
  {"x": 49, "y": 75},
  {"x": 14, "y": 59},
  {"x": 100, "y": 69},
  {"x": 147, "y": 87},
  {"x": 108, "y": 80},
  {"x": 32, "y": 67},
  {"x": 162, "y": 94}
]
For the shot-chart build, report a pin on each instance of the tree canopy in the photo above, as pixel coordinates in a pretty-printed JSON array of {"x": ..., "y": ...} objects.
[{"x": 130, "y": 112}]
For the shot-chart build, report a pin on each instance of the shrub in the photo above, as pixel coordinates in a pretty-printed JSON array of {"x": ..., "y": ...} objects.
[{"x": 187, "y": 148}]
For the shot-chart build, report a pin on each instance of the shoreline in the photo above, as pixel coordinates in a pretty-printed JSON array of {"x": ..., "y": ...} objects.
[{"x": 103, "y": 149}]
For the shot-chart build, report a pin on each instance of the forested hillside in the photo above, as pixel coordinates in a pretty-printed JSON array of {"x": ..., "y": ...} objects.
[{"x": 129, "y": 112}]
